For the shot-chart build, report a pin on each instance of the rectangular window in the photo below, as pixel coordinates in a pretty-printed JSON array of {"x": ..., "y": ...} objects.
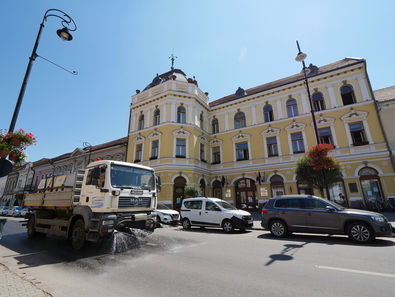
[
  {"x": 358, "y": 134},
  {"x": 180, "y": 148},
  {"x": 325, "y": 135},
  {"x": 272, "y": 146},
  {"x": 242, "y": 151},
  {"x": 139, "y": 152},
  {"x": 216, "y": 155},
  {"x": 297, "y": 142},
  {"x": 202, "y": 152},
  {"x": 155, "y": 149}
]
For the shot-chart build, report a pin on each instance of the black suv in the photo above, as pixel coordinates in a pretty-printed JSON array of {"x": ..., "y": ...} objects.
[{"x": 283, "y": 215}]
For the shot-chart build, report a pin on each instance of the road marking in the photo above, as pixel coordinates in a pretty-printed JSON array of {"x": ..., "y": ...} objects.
[{"x": 357, "y": 271}]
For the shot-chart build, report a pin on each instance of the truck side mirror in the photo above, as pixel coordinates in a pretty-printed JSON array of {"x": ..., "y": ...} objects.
[{"x": 158, "y": 184}]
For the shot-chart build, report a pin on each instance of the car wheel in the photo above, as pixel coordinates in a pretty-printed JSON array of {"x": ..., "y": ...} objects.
[
  {"x": 31, "y": 230},
  {"x": 228, "y": 226},
  {"x": 78, "y": 235},
  {"x": 186, "y": 224},
  {"x": 278, "y": 229},
  {"x": 360, "y": 233}
]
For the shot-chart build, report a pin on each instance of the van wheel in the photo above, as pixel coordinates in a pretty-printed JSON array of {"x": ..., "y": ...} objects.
[
  {"x": 228, "y": 226},
  {"x": 186, "y": 224},
  {"x": 31, "y": 230},
  {"x": 78, "y": 235},
  {"x": 360, "y": 233},
  {"x": 278, "y": 228}
]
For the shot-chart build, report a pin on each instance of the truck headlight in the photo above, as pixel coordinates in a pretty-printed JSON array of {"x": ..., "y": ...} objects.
[{"x": 108, "y": 223}]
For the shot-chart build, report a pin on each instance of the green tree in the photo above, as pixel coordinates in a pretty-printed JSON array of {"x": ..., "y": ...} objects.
[
  {"x": 192, "y": 191},
  {"x": 309, "y": 168}
]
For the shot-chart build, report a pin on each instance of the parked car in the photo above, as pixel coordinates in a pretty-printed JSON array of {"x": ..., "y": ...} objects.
[
  {"x": 283, "y": 215},
  {"x": 213, "y": 212},
  {"x": 165, "y": 215},
  {"x": 25, "y": 211},
  {"x": 14, "y": 211},
  {"x": 4, "y": 210}
]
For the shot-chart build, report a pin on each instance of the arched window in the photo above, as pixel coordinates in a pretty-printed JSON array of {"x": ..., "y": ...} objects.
[
  {"x": 371, "y": 186},
  {"x": 203, "y": 187},
  {"x": 246, "y": 196},
  {"x": 268, "y": 113},
  {"x": 347, "y": 94},
  {"x": 240, "y": 120},
  {"x": 292, "y": 108},
  {"x": 277, "y": 185},
  {"x": 214, "y": 126},
  {"x": 217, "y": 189},
  {"x": 141, "y": 122},
  {"x": 156, "y": 117},
  {"x": 181, "y": 116},
  {"x": 318, "y": 101}
]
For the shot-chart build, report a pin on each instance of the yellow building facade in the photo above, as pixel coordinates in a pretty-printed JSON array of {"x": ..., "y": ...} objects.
[{"x": 243, "y": 147}]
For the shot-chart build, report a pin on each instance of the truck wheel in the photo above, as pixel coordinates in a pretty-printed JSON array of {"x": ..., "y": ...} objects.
[
  {"x": 31, "y": 231},
  {"x": 228, "y": 226},
  {"x": 78, "y": 236}
]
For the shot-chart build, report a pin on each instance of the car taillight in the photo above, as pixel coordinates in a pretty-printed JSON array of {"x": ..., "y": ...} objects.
[{"x": 264, "y": 210}]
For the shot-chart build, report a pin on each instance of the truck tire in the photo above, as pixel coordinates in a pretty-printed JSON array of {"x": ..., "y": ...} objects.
[
  {"x": 31, "y": 230},
  {"x": 78, "y": 235}
]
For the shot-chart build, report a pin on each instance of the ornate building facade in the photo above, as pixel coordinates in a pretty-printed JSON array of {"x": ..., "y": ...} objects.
[{"x": 243, "y": 147}]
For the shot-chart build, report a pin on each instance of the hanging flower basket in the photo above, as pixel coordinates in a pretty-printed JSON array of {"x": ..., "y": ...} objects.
[
  {"x": 16, "y": 141},
  {"x": 3, "y": 153},
  {"x": 17, "y": 156}
]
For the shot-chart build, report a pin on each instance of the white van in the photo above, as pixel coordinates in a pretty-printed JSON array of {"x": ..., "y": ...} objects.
[{"x": 213, "y": 212}]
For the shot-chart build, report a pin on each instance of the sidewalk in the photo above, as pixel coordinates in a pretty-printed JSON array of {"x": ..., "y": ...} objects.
[{"x": 14, "y": 285}]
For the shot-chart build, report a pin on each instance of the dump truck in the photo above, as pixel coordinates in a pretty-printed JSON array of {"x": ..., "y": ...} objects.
[{"x": 92, "y": 203}]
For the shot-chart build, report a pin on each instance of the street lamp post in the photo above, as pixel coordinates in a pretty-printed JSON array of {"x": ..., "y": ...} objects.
[
  {"x": 300, "y": 58},
  {"x": 63, "y": 33}
]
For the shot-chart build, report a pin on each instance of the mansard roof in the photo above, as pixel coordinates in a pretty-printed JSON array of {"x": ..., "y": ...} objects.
[
  {"x": 290, "y": 79},
  {"x": 174, "y": 74}
]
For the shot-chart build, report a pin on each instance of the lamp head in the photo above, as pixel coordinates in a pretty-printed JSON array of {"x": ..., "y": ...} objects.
[
  {"x": 64, "y": 34},
  {"x": 300, "y": 57}
]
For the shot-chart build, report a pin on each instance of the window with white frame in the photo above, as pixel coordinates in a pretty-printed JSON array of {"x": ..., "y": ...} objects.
[
  {"x": 155, "y": 149},
  {"x": 240, "y": 120},
  {"x": 156, "y": 117},
  {"x": 180, "y": 148},
  {"x": 141, "y": 122},
  {"x": 297, "y": 142},
  {"x": 292, "y": 108},
  {"x": 202, "y": 152},
  {"x": 325, "y": 135},
  {"x": 272, "y": 147},
  {"x": 216, "y": 155},
  {"x": 242, "y": 151},
  {"x": 358, "y": 134},
  {"x": 268, "y": 113},
  {"x": 347, "y": 94},
  {"x": 214, "y": 126},
  {"x": 139, "y": 153},
  {"x": 181, "y": 115},
  {"x": 318, "y": 101}
]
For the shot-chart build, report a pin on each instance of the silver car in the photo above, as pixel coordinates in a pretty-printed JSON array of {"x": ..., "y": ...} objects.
[{"x": 283, "y": 215}]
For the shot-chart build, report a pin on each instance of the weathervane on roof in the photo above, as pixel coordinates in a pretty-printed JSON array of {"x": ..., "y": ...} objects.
[{"x": 172, "y": 57}]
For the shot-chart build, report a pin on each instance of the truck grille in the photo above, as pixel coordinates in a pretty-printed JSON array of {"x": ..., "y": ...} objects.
[{"x": 134, "y": 202}]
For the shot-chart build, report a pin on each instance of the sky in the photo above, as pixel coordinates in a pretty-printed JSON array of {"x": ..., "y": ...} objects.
[{"x": 119, "y": 46}]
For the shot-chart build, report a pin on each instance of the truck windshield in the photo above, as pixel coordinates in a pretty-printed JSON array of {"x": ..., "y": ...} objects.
[{"x": 132, "y": 178}]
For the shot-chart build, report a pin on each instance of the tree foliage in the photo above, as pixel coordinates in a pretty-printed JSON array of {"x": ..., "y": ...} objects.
[
  {"x": 309, "y": 168},
  {"x": 192, "y": 191}
]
